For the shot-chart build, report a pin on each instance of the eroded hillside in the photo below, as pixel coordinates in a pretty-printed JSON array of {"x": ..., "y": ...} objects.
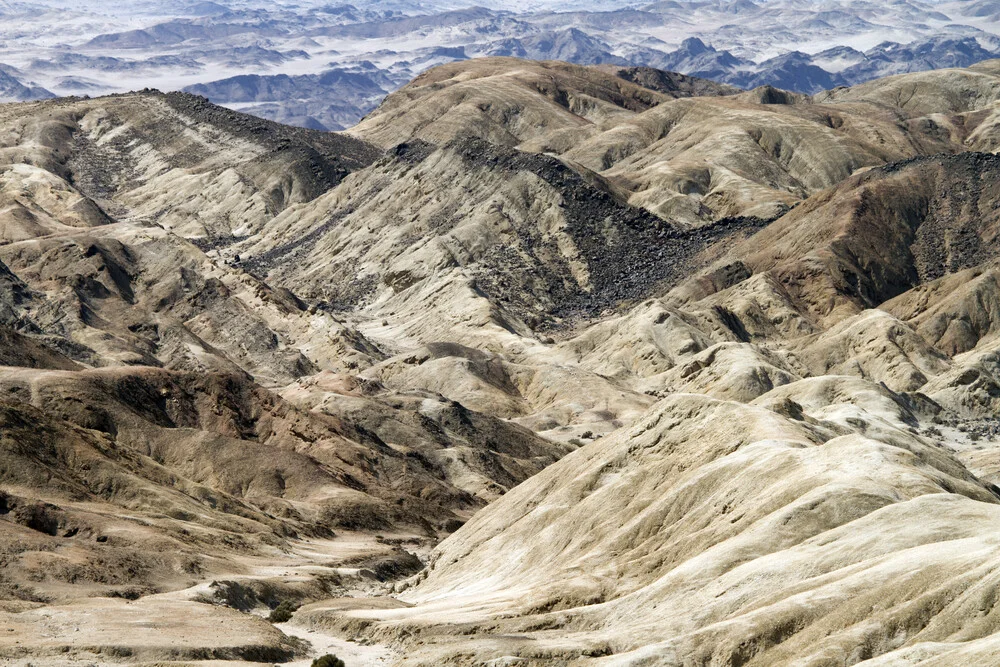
[{"x": 679, "y": 374}]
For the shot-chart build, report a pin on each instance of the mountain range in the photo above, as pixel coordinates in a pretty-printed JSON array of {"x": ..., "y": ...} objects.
[
  {"x": 322, "y": 65},
  {"x": 538, "y": 363}
]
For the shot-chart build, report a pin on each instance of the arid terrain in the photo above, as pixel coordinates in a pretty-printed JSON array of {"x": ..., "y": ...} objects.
[
  {"x": 539, "y": 364},
  {"x": 326, "y": 64}
]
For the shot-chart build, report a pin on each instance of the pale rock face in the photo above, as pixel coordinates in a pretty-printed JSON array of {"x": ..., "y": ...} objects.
[
  {"x": 970, "y": 386},
  {"x": 953, "y": 313},
  {"x": 875, "y": 346},
  {"x": 544, "y": 396},
  {"x": 40, "y": 203},
  {"x": 727, "y": 523},
  {"x": 735, "y": 371},
  {"x": 646, "y": 341}
]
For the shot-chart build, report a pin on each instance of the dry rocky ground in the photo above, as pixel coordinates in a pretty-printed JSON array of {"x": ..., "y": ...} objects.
[{"x": 539, "y": 364}]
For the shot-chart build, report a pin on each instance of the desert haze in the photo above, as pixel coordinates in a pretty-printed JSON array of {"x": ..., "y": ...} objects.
[{"x": 535, "y": 363}]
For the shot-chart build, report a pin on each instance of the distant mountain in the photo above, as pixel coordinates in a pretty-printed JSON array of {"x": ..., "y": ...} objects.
[
  {"x": 207, "y": 9},
  {"x": 329, "y": 101},
  {"x": 570, "y": 45},
  {"x": 791, "y": 71},
  {"x": 398, "y": 26},
  {"x": 176, "y": 32},
  {"x": 13, "y": 90},
  {"x": 249, "y": 56},
  {"x": 696, "y": 58},
  {"x": 804, "y": 73},
  {"x": 837, "y": 58},
  {"x": 64, "y": 61},
  {"x": 804, "y": 46},
  {"x": 981, "y": 9},
  {"x": 934, "y": 53}
]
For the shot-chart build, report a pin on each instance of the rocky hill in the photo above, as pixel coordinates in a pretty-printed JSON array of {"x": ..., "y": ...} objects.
[{"x": 540, "y": 363}]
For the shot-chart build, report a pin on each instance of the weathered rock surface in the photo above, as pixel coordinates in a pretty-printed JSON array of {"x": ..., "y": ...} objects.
[{"x": 688, "y": 376}]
